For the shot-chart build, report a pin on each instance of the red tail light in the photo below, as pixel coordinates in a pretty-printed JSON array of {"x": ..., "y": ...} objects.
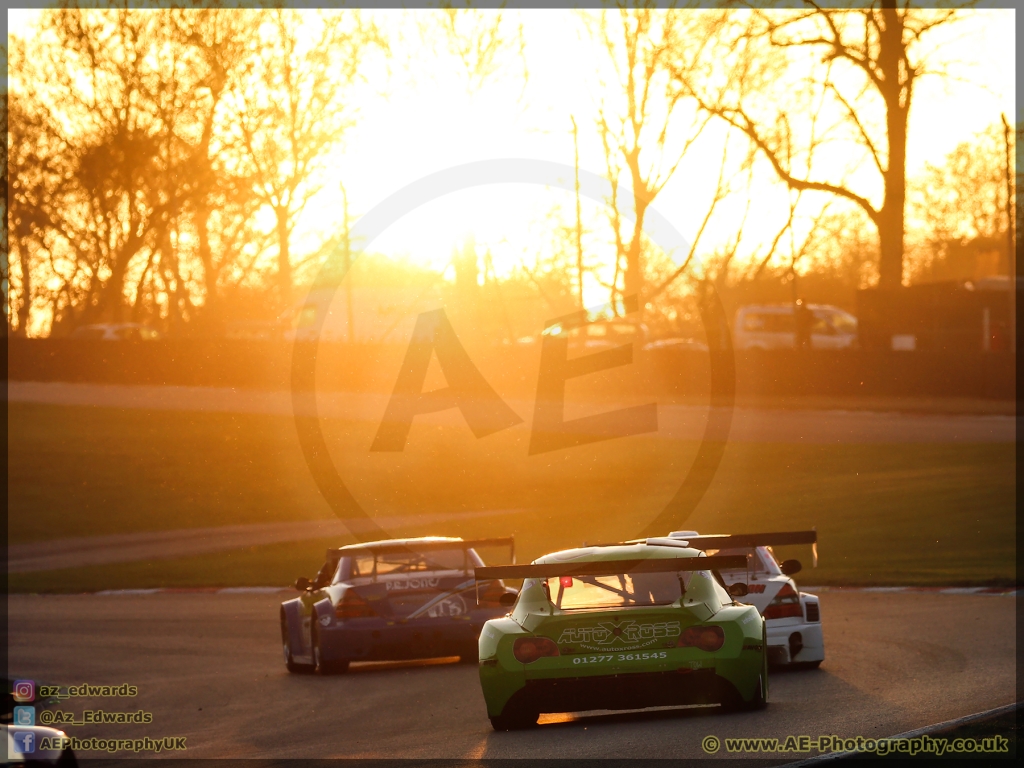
[
  {"x": 352, "y": 606},
  {"x": 705, "y": 638},
  {"x": 785, "y": 605},
  {"x": 529, "y": 649}
]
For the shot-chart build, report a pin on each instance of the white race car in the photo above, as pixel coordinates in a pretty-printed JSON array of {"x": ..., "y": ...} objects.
[{"x": 793, "y": 618}]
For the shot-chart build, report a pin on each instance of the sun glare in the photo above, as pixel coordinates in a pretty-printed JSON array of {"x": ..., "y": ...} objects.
[
  {"x": 436, "y": 123},
  {"x": 418, "y": 111}
]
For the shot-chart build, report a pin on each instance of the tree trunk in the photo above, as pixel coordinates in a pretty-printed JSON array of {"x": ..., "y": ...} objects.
[
  {"x": 890, "y": 244},
  {"x": 26, "y": 291},
  {"x": 205, "y": 188},
  {"x": 212, "y": 303},
  {"x": 284, "y": 264},
  {"x": 111, "y": 304},
  {"x": 113, "y": 296},
  {"x": 110, "y": 294},
  {"x": 896, "y": 90},
  {"x": 633, "y": 282}
]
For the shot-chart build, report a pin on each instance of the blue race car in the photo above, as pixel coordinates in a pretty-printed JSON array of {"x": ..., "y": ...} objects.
[{"x": 390, "y": 600}]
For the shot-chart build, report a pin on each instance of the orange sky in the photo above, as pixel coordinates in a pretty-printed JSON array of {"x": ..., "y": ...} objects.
[{"x": 424, "y": 119}]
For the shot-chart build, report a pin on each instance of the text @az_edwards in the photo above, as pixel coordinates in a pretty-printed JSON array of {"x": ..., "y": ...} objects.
[
  {"x": 918, "y": 745},
  {"x": 93, "y": 717}
]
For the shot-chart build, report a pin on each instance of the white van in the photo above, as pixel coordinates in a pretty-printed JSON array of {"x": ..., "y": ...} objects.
[
  {"x": 115, "y": 332},
  {"x": 771, "y": 326}
]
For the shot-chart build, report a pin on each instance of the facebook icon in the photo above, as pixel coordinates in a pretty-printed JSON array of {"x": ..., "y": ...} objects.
[{"x": 24, "y": 742}]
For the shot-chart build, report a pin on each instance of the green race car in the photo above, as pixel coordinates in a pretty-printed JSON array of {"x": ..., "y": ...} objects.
[{"x": 624, "y": 626}]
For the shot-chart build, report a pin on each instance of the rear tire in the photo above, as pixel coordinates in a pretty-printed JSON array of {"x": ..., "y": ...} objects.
[
  {"x": 764, "y": 667},
  {"x": 289, "y": 661},
  {"x": 760, "y": 700},
  {"x": 320, "y": 664},
  {"x": 733, "y": 702},
  {"x": 514, "y": 721},
  {"x": 805, "y": 665}
]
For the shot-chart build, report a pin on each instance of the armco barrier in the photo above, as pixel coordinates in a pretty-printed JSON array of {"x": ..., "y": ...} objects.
[
  {"x": 877, "y": 373},
  {"x": 268, "y": 365}
]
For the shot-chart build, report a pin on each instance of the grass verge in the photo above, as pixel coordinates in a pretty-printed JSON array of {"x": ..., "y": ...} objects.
[{"x": 907, "y": 514}]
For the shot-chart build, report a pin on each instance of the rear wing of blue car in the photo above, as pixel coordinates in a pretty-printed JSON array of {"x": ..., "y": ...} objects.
[
  {"x": 390, "y": 548},
  {"x": 611, "y": 567},
  {"x": 379, "y": 549}
]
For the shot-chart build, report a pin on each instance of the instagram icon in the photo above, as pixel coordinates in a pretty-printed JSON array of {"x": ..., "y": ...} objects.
[{"x": 24, "y": 690}]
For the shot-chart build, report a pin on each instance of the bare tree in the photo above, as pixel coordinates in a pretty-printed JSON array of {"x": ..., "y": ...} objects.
[
  {"x": 723, "y": 188},
  {"x": 92, "y": 197},
  {"x": 960, "y": 201},
  {"x": 865, "y": 62},
  {"x": 839, "y": 245},
  {"x": 21, "y": 182},
  {"x": 293, "y": 108},
  {"x": 645, "y": 123},
  {"x": 146, "y": 140},
  {"x": 123, "y": 205},
  {"x": 218, "y": 45},
  {"x": 483, "y": 40},
  {"x": 5, "y": 250}
]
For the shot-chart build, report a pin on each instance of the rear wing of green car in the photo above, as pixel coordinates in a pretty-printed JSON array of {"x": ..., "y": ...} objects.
[{"x": 611, "y": 567}]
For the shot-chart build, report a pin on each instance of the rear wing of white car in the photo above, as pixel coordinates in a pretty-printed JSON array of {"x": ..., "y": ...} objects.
[
  {"x": 735, "y": 540},
  {"x": 611, "y": 567}
]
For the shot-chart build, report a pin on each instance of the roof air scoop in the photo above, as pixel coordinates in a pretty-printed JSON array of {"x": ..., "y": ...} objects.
[
  {"x": 682, "y": 534},
  {"x": 666, "y": 542}
]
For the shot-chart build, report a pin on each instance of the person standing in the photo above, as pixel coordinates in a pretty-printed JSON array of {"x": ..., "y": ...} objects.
[{"x": 803, "y": 320}]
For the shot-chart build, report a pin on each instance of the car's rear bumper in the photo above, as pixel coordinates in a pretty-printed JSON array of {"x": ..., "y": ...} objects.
[
  {"x": 794, "y": 643},
  {"x": 384, "y": 640},
  {"x": 626, "y": 691},
  {"x": 714, "y": 680}
]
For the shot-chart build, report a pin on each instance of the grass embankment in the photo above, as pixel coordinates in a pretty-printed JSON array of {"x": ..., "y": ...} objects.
[{"x": 922, "y": 514}]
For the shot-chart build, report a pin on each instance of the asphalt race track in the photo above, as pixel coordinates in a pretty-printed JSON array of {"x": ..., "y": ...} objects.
[
  {"x": 794, "y": 425},
  {"x": 209, "y": 668}
]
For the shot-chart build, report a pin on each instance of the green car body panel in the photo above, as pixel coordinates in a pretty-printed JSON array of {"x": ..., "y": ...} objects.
[{"x": 632, "y": 650}]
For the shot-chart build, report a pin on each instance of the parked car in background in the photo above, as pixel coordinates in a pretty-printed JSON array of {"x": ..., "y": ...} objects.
[
  {"x": 600, "y": 334},
  {"x": 115, "y": 332},
  {"x": 772, "y": 326},
  {"x": 688, "y": 345},
  {"x": 253, "y": 330}
]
